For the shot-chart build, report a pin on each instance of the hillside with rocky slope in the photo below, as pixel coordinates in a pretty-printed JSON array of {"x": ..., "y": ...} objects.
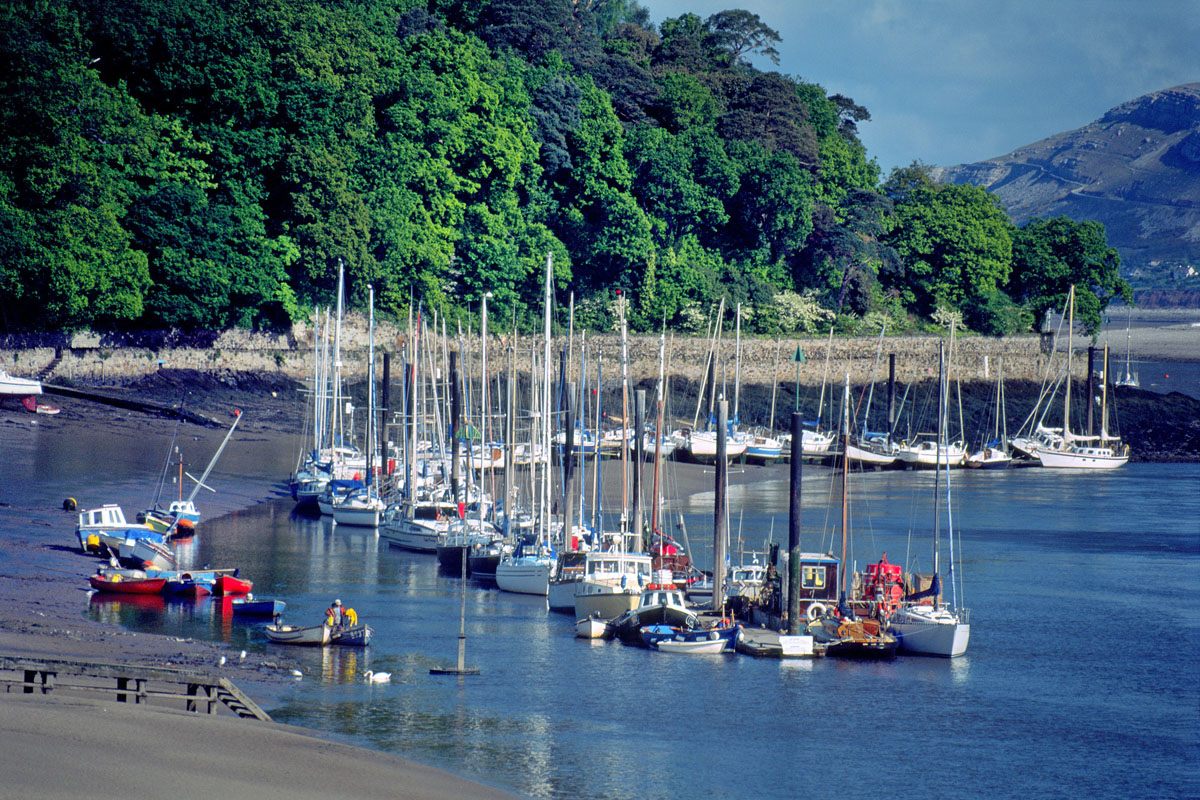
[{"x": 1136, "y": 170}]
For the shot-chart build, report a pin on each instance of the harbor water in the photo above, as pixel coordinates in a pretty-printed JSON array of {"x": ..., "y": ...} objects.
[{"x": 1080, "y": 679}]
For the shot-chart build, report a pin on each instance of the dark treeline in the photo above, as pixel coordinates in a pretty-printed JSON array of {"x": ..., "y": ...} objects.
[{"x": 199, "y": 164}]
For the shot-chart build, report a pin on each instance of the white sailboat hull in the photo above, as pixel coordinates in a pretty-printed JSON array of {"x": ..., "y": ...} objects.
[
  {"x": 1082, "y": 458},
  {"x": 862, "y": 456},
  {"x": 367, "y": 517},
  {"x": 926, "y": 631},
  {"x": 523, "y": 578},
  {"x": 412, "y": 535}
]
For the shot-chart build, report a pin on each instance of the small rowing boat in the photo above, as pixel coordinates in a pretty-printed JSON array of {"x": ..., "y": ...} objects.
[
  {"x": 309, "y": 635},
  {"x": 116, "y": 583}
]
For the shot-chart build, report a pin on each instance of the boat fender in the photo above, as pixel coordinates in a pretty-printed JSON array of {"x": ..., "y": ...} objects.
[
  {"x": 815, "y": 610},
  {"x": 69, "y": 504}
]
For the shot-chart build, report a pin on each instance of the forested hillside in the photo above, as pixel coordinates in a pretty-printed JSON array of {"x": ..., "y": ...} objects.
[{"x": 206, "y": 163}]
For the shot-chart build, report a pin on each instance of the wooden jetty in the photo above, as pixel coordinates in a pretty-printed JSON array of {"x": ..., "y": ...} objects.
[
  {"x": 765, "y": 643},
  {"x": 130, "y": 684}
]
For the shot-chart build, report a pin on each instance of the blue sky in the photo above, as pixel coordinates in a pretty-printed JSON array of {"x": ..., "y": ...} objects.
[{"x": 956, "y": 81}]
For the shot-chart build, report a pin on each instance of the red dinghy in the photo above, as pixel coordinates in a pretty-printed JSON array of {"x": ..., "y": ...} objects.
[
  {"x": 123, "y": 585},
  {"x": 232, "y": 584}
]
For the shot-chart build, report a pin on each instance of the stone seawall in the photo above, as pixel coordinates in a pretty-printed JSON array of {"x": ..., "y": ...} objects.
[{"x": 95, "y": 360}]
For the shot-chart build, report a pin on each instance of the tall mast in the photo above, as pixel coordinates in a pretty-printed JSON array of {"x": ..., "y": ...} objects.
[
  {"x": 624, "y": 422},
  {"x": 485, "y": 451},
  {"x": 1067, "y": 393},
  {"x": 937, "y": 467},
  {"x": 845, "y": 483},
  {"x": 337, "y": 361},
  {"x": 1104, "y": 400},
  {"x": 546, "y": 404},
  {"x": 371, "y": 388},
  {"x": 737, "y": 368}
]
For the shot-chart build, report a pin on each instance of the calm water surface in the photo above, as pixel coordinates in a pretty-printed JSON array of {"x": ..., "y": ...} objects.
[{"x": 1080, "y": 679}]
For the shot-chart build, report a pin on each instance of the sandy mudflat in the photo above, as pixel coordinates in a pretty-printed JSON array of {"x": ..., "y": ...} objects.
[
  {"x": 61, "y": 746},
  {"x": 75, "y": 748},
  {"x": 1154, "y": 334}
]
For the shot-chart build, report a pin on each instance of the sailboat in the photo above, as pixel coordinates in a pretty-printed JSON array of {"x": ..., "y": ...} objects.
[
  {"x": 838, "y": 629},
  {"x": 529, "y": 568},
  {"x": 183, "y": 512},
  {"x": 700, "y": 446},
  {"x": 994, "y": 454},
  {"x": 1076, "y": 451},
  {"x": 1131, "y": 378},
  {"x": 930, "y": 451},
  {"x": 929, "y": 627},
  {"x": 365, "y": 507},
  {"x": 761, "y": 447}
]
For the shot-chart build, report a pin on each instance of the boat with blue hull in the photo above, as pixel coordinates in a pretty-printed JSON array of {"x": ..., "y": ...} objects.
[{"x": 673, "y": 639}]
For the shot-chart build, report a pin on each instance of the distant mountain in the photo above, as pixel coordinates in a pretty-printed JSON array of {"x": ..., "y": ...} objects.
[{"x": 1136, "y": 169}]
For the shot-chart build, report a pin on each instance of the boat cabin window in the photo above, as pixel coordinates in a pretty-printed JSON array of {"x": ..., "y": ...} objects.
[{"x": 812, "y": 578}]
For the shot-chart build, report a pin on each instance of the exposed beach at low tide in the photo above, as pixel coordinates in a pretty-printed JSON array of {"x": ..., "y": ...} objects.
[{"x": 61, "y": 745}]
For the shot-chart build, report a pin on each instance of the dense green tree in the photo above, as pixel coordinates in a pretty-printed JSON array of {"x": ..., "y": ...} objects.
[
  {"x": 682, "y": 181},
  {"x": 1051, "y": 255},
  {"x": 77, "y": 155},
  {"x": 955, "y": 240},
  {"x": 767, "y": 110}
]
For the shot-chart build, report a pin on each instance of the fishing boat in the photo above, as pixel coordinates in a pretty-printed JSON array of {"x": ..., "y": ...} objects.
[
  {"x": 100, "y": 531},
  {"x": 307, "y": 635},
  {"x": 612, "y": 584},
  {"x": 147, "y": 551},
  {"x": 253, "y": 607},
  {"x": 744, "y": 584},
  {"x": 922, "y": 623},
  {"x": 671, "y": 639},
  {"x": 660, "y": 604},
  {"x": 119, "y": 584}
]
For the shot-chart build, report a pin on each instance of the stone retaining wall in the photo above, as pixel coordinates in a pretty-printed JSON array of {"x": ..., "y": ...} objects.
[{"x": 92, "y": 359}]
